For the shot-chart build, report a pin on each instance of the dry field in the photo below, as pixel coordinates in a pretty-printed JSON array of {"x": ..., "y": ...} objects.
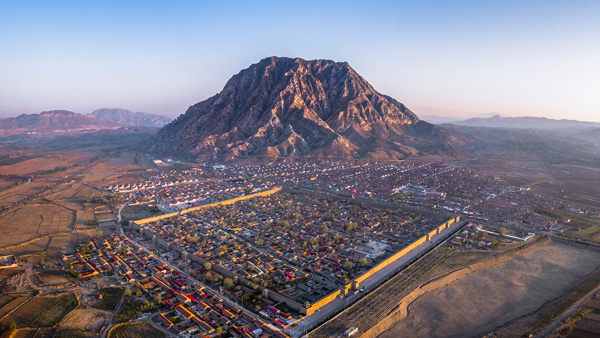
[
  {"x": 473, "y": 303},
  {"x": 84, "y": 320},
  {"x": 32, "y": 221},
  {"x": 112, "y": 171},
  {"x": 25, "y": 333},
  {"x": 12, "y": 195},
  {"x": 42, "y": 311},
  {"x": 34, "y": 165},
  {"x": 74, "y": 193},
  {"x": 135, "y": 330},
  {"x": 571, "y": 183},
  {"x": 53, "y": 277},
  {"x": 7, "y": 310},
  {"x": 133, "y": 212}
]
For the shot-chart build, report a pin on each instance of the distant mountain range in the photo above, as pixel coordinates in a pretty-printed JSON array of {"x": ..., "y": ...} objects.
[
  {"x": 284, "y": 107},
  {"x": 63, "y": 122},
  {"x": 532, "y": 123},
  {"x": 124, "y": 117},
  {"x": 52, "y": 123}
]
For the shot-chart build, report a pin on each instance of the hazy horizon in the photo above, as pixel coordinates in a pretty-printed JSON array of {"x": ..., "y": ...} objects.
[{"x": 470, "y": 59}]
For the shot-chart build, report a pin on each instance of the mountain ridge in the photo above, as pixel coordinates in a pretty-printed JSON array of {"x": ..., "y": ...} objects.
[
  {"x": 284, "y": 107},
  {"x": 53, "y": 122},
  {"x": 126, "y": 118}
]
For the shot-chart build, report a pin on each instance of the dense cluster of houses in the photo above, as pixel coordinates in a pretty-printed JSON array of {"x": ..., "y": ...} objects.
[
  {"x": 300, "y": 246},
  {"x": 189, "y": 308}
]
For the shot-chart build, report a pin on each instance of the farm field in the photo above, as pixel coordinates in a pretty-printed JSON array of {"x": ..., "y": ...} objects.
[
  {"x": 110, "y": 299},
  {"x": 5, "y": 311},
  {"x": 12, "y": 195},
  {"x": 42, "y": 311},
  {"x": 135, "y": 330},
  {"x": 34, "y": 220},
  {"x": 47, "y": 162},
  {"x": 486, "y": 299}
]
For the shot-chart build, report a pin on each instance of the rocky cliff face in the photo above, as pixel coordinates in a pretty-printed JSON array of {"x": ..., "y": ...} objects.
[
  {"x": 53, "y": 122},
  {"x": 283, "y": 107}
]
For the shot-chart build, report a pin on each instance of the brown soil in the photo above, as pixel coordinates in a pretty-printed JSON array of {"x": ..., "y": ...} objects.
[{"x": 472, "y": 301}]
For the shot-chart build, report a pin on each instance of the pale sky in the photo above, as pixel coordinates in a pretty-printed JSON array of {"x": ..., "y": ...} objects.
[{"x": 515, "y": 58}]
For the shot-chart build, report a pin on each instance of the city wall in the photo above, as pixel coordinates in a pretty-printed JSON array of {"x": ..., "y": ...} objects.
[
  {"x": 356, "y": 283},
  {"x": 226, "y": 202}
]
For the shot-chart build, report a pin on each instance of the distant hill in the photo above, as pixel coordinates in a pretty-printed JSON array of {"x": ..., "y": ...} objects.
[
  {"x": 126, "y": 118},
  {"x": 284, "y": 107},
  {"x": 53, "y": 123},
  {"x": 531, "y": 123}
]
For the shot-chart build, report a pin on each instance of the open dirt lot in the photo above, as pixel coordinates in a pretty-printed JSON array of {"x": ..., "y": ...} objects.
[
  {"x": 472, "y": 304},
  {"x": 32, "y": 221},
  {"x": 84, "y": 320}
]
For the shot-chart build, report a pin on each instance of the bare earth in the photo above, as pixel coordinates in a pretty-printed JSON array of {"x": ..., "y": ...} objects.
[{"x": 472, "y": 304}]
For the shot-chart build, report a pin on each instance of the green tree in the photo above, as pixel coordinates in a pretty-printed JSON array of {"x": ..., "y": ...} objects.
[
  {"x": 363, "y": 261},
  {"x": 347, "y": 265},
  {"x": 207, "y": 266},
  {"x": 85, "y": 249},
  {"x": 13, "y": 326}
]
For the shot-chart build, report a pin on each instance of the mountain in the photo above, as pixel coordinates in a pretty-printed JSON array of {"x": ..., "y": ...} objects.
[
  {"x": 532, "y": 123},
  {"x": 52, "y": 123},
  {"x": 127, "y": 118},
  {"x": 284, "y": 107}
]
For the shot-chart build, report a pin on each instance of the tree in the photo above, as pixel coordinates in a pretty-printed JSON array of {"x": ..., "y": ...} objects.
[
  {"x": 219, "y": 330},
  {"x": 207, "y": 266},
  {"x": 127, "y": 292},
  {"x": 363, "y": 261},
  {"x": 139, "y": 293},
  {"x": 85, "y": 249},
  {"x": 228, "y": 282},
  {"x": 12, "y": 326},
  {"x": 92, "y": 222},
  {"x": 503, "y": 231},
  {"x": 347, "y": 265},
  {"x": 260, "y": 241},
  {"x": 99, "y": 233}
]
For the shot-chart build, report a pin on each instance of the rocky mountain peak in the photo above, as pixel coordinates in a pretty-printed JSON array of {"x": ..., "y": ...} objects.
[{"x": 295, "y": 107}]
